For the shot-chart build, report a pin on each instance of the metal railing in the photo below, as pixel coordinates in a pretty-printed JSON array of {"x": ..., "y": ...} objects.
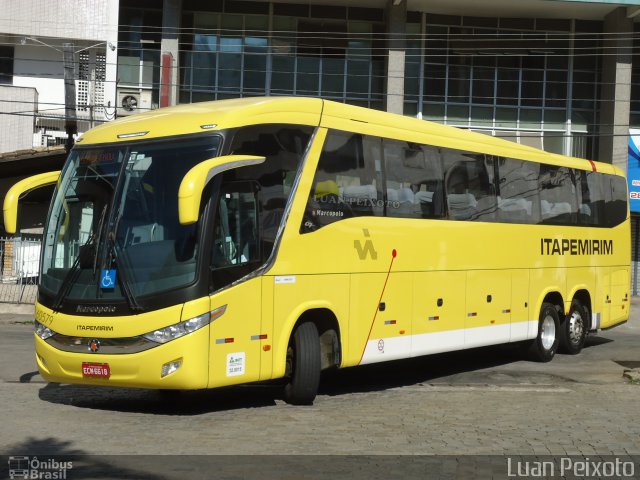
[{"x": 19, "y": 269}]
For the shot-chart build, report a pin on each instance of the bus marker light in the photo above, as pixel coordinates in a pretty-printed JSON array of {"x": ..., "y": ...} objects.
[
  {"x": 434, "y": 318},
  {"x": 224, "y": 340},
  {"x": 472, "y": 314},
  {"x": 266, "y": 348},
  {"x": 262, "y": 336},
  {"x": 508, "y": 310},
  {"x": 492, "y": 322},
  {"x": 208, "y": 126},
  {"x": 132, "y": 135},
  {"x": 401, "y": 332},
  {"x": 390, "y": 322},
  {"x": 170, "y": 367}
]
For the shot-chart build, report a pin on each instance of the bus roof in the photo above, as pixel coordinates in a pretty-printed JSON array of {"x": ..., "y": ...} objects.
[{"x": 203, "y": 117}]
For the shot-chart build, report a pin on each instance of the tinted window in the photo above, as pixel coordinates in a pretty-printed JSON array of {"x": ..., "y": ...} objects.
[
  {"x": 591, "y": 199},
  {"x": 413, "y": 180},
  {"x": 518, "y": 200},
  {"x": 616, "y": 206},
  {"x": 558, "y": 195},
  {"x": 469, "y": 186},
  {"x": 347, "y": 182}
]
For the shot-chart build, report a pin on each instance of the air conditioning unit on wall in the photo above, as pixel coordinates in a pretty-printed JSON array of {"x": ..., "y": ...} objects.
[{"x": 131, "y": 100}]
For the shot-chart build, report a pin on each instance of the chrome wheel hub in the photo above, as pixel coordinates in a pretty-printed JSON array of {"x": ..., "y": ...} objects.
[
  {"x": 576, "y": 327},
  {"x": 548, "y": 333}
]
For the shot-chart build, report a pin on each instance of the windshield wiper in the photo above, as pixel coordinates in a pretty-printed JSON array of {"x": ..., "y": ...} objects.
[
  {"x": 72, "y": 273},
  {"x": 113, "y": 253}
]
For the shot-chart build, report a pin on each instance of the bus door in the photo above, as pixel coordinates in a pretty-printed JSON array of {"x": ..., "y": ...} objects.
[{"x": 237, "y": 334}]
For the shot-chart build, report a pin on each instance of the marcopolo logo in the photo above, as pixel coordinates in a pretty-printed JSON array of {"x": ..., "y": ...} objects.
[{"x": 35, "y": 468}]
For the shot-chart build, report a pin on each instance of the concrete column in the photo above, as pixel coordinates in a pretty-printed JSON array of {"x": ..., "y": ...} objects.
[
  {"x": 616, "y": 88},
  {"x": 170, "y": 52},
  {"x": 396, "y": 28}
]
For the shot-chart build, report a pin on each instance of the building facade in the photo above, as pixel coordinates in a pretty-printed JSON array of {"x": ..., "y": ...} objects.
[
  {"x": 560, "y": 75},
  {"x": 34, "y": 37}
]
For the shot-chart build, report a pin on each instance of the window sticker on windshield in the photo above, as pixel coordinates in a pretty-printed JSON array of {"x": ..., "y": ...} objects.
[
  {"x": 235, "y": 364},
  {"x": 108, "y": 279}
]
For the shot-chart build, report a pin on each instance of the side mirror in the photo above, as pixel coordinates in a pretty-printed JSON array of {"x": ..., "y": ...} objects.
[
  {"x": 196, "y": 179},
  {"x": 10, "y": 206}
]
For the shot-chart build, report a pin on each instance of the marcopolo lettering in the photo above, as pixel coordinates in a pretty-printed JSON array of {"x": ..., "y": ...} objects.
[
  {"x": 95, "y": 309},
  {"x": 575, "y": 246}
]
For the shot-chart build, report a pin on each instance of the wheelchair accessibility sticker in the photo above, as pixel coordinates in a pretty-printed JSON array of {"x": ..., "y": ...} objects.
[{"x": 108, "y": 279}]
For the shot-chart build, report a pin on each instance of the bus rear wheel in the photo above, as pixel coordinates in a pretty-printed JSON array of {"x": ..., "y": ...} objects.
[
  {"x": 545, "y": 345},
  {"x": 573, "y": 330},
  {"x": 303, "y": 365}
]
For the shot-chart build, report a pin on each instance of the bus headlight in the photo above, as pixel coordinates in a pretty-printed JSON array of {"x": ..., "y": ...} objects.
[
  {"x": 166, "y": 334},
  {"x": 42, "y": 331}
]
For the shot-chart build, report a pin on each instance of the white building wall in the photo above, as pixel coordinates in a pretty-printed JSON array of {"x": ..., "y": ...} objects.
[
  {"x": 16, "y": 121},
  {"x": 38, "y": 29},
  {"x": 82, "y": 20},
  {"x": 41, "y": 68}
]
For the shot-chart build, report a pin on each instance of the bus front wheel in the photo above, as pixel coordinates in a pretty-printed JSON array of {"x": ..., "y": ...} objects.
[
  {"x": 303, "y": 365},
  {"x": 544, "y": 347},
  {"x": 573, "y": 330}
]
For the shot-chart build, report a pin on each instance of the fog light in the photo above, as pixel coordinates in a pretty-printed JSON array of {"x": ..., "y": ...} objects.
[{"x": 170, "y": 367}]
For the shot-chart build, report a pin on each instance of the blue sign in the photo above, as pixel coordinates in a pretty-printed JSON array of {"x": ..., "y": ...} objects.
[
  {"x": 633, "y": 170},
  {"x": 108, "y": 279}
]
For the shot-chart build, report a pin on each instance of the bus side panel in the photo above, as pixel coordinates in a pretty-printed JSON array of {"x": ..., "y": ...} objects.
[
  {"x": 266, "y": 355},
  {"x": 521, "y": 318},
  {"x": 380, "y": 305},
  {"x": 542, "y": 282},
  {"x": 235, "y": 336},
  {"x": 619, "y": 306},
  {"x": 438, "y": 313},
  {"x": 488, "y": 312},
  {"x": 581, "y": 278}
]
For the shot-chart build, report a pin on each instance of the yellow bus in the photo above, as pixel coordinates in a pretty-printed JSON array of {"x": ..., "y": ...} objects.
[{"x": 246, "y": 240}]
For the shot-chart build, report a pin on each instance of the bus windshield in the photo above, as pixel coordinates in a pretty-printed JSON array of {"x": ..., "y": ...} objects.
[{"x": 113, "y": 229}]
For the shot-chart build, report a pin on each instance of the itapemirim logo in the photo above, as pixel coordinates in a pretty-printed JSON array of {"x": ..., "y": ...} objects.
[
  {"x": 367, "y": 249},
  {"x": 34, "y": 468}
]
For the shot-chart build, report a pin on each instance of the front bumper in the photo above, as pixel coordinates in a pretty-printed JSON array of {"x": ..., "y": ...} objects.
[{"x": 142, "y": 369}]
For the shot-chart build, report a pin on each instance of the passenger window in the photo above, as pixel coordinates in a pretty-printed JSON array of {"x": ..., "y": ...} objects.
[
  {"x": 591, "y": 200},
  {"x": 413, "y": 180},
  {"x": 558, "y": 195},
  {"x": 469, "y": 185},
  {"x": 347, "y": 183},
  {"x": 518, "y": 200},
  {"x": 616, "y": 205}
]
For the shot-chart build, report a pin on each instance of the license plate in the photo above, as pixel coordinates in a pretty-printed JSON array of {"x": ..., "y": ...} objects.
[{"x": 101, "y": 370}]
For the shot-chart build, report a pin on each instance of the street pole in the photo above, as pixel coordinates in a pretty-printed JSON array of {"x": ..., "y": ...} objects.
[{"x": 70, "y": 120}]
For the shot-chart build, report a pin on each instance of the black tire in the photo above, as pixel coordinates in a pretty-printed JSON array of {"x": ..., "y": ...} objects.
[
  {"x": 573, "y": 329},
  {"x": 545, "y": 345},
  {"x": 303, "y": 366}
]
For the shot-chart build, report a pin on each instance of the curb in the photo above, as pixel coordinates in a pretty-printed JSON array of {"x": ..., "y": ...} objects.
[{"x": 17, "y": 308}]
